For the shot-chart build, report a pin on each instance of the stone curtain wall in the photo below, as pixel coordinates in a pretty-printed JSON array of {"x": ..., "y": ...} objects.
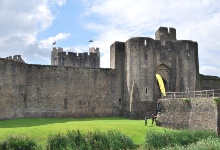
[
  {"x": 210, "y": 84},
  {"x": 199, "y": 113},
  {"x": 203, "y": 114},
  {"x": 70, "y": 92},
  {"x": 175, "y": 114},
  {"x": 12, "y": 88},
  {"x": 55, "y": 91}
]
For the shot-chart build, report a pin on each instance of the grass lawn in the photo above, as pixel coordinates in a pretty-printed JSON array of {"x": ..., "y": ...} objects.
[{"x": 40, "y": 128}]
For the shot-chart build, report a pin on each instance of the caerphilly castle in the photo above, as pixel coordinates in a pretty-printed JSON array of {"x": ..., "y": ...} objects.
[{"x": 74, "y": 85}]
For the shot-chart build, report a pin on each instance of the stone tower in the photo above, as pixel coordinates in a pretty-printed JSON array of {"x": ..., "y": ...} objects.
[
  {"x": 139, "y": 59},
  {"x": 82, "y": 60}
]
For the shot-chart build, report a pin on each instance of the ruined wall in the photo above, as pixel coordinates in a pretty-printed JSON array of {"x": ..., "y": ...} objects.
[
  {"x": 12, "y": 88},
  {"x": 56, "y": 91},
  {"x": 199, "y": 113}
]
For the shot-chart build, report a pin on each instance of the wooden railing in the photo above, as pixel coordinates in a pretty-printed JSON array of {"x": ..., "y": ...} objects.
[{"x": 193, "y": 94}]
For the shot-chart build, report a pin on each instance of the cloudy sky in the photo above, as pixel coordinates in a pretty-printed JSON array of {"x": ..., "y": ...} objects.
[{"x": 29, "y": 27}]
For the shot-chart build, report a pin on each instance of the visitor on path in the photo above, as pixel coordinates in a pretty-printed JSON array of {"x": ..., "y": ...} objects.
[
  {"x": 154, "y": 117},
  {"x": 145, "y": 120}
]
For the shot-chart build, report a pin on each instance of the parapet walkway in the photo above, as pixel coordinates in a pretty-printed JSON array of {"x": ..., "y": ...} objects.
[{"x": 193, "y": 94}]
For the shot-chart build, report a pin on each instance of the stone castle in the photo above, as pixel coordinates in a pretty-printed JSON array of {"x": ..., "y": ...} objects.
[
  {"x": 74, "y": 85},
  {"x": 60, "y": 58}
]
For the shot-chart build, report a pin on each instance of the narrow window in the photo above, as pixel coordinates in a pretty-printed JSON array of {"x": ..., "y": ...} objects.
[
  {"x": 146, "y": 90},
  {"x": 65, "y": 103},
  {"x": 145, "y": 42},
  {"x": 119, "y": 102}
]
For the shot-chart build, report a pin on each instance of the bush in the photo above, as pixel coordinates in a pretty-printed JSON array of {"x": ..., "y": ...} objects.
[
  {"x": 170, "y": 138},
  {"x": 18, "y": 143},
  {"x": 57, "y": 142},
  {"x": 76, "y": 140},
  {"x": 117, "y": 140},
  {"x": 97, "y": 140},
  {"x": 204, "y": 144},
  {"x": 90, "y": 141}
]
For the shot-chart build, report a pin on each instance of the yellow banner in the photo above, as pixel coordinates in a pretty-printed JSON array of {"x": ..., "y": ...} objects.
[{"x": 160, "y": 81}]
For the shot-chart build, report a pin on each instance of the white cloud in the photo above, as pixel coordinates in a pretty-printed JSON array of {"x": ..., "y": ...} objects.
[
  {"x": 196, "y": 20},
  {"x": 46, "y": 43},
  {"x": 20, "y": 24},
  {"x": 58, "y": 2},
  {"x": 209, "y": 70},
  {"x": 111, "y": 20}
]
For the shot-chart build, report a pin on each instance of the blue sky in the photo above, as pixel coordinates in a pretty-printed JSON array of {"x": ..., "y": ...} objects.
[{"x": 29, "y": 27}]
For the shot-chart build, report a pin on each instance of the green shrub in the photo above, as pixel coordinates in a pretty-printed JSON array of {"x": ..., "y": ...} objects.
[
  {"x": 76, "y": 140},
  {"x": 92, "y": 140},
  {"x": 18, "y": 143},
  {"x": 216, "y": 99},
  {"x": 186, "y": 100},
  {"x": 117, "y": 140},
  {"x": 171, "y": 138},
  {"x": 97, "y": 140},
  {"x": 57, "y": 142},
  {"x": 206, "y": 144},
  {"x": 211, "y": 143}
]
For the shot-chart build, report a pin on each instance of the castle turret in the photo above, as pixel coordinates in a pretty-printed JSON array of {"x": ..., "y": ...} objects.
[
  {"x": 117, "y": 62},
  {"x": 54, "y": 55},
  {"x": 61, "y": 58},
  {"x": 164, "y": 35}
]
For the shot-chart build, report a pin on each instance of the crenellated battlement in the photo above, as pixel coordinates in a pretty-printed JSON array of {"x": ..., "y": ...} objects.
[
  {"x": 164, "y": 35},
  {"x": 15, "y": 58},
  {"x": 62, "y": 58}
]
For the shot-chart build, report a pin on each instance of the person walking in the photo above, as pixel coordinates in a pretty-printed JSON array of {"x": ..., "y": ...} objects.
[
  {"x": 153, "y": 117},
  {"x": 145, "y": 120}
]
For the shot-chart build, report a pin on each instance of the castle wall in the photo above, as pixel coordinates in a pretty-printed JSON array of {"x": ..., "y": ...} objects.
[
  {"x": 175, "y": 61},
  {"x": 179, "y": 57},
  {"x": 70, "y": 92},
  {"x": 56, "y": 91},
  {"x": 140, "y": 77},
  {"x": 198, "y": 113},
  {"x": 83, "y": 60},
  {"x": 187, "y": 65},
  {"x": 12, "y": 89},
  {"x": 210, "y": 84},
  {"x": 117, "y": 62}
]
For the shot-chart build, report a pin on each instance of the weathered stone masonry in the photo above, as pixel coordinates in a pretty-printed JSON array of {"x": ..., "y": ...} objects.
[
  {"x": 75, "y": 86},
  {"x": 54, "y": 91},
  {"x": 197, "y": 113}
]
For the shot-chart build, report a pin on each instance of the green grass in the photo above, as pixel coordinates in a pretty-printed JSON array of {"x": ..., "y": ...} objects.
[{"x": 40, "y": 128}]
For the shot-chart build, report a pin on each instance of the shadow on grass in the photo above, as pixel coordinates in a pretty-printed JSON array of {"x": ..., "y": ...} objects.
[{"x": 29, "y": 122}]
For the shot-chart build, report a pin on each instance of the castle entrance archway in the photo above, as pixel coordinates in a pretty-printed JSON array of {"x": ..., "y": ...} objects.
[
  {"x": 164, "y": 72},
  {"x": 161, "y": 86}
]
